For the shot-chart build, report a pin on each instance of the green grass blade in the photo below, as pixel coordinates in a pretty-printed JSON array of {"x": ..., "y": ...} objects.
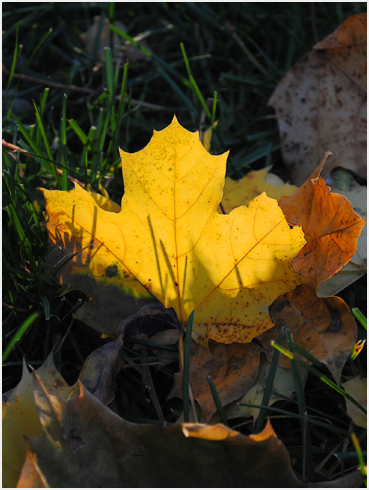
[
  {"x": 43, "y": 133},
  {"x": 79, "y": 131},
  {"x": 308, "y": 463},
  {"x": 217, "y": 402},
  {"x": 14, "y": 62},
  {"x": 186, "y": 369},
  {"x": 269, "y": 386},
  {"x": 213, "y": 115},
  {"x": 19, "y": 334},
  {"x": 323, "y": 378},
  {"x": 362, "y": 319},
  {"x": 150, "y": 387},
  {"x": 200, "y": 96},
  {"x": 360, "y": 457},
  {"x": 43, "y": 100},
  {"x": 63, "y": 149}
]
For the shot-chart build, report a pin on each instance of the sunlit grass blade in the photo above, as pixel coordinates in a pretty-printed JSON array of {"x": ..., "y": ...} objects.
[
  {"x": 362, "y": 319},
  {"x": 269, "y": 386},
  {"x": 79, "y": 131},
  {"x": 43, "y": 133},
  {"x": 38, "y": 153},
  {"x": 186, "y": 368},
  {"x": 200, "y": 96},
  {"x": 19, "y": 334},
  {"x": 213, "y": 115},
  {"x": 360, "y": 457},
  {"x": 187, "y": 63},
  {"x": 119, "y": 115},
  {"x": 323, "y": 378},
  {"x": 43, "y": 101},
  {"x": 217, "y": 402}
]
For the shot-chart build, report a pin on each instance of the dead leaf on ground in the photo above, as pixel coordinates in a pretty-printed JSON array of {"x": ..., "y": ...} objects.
[
  {"x": 321, "y": 104},
  {"x": 233, "y": 368},
  {"x": 102, "y": 450},
  {"x": 342, "y": 182},
  {"x": 19, "y": 419},
  {"x": 357, "y": 388},
  {"x": 284, "y": 385},
  {"x": 324, "y": 327},
  {"x": 169, "y": 240},
  {"x": 241, "y": 192},
  {"x": 331, "y": 223},
  {"x": 20, "y": 411}
]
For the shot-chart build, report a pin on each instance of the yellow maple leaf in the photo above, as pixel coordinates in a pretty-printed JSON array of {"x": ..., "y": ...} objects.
[
  {"x": 169, "y": 240},
  {"x": 242, "y": 191}
]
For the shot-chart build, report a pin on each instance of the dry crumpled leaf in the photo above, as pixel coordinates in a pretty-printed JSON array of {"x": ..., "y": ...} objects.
[
  {"x": 321, "y": 104},
  {"x": 330, "y": 222},
  {"x": 342, "y": 182},
  {"x": 233, "y": 368},
  {"x": 324, "y": 327},
  {"x": 284, "y": 385},
  {"x": 239, "y": 192},
  {"x": 20, "y": 411},
  {"x": 169, "y": 240},
  {"x": 357, "y": 388},
  {"x": 99, "y": 449}
]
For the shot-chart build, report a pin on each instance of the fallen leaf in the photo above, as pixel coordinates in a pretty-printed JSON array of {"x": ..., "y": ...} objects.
[
  {"x": 170, "y": 242},
  {"x": 284, "y": 385},
  {"x": 324, "y": 327},
  {"x": 239, "y": 192},
  {"x": 321, "y": 104},
  {"x": 357, "y": 267},
  {"x": 105, "y": 451},
  {"x": 100, "y": 370},
  {"x": 330, "y": 222},
  {"x": 357, "y": 388},
  {"x": 20, "y": 418},
  {"x": 233, "y": 369}
]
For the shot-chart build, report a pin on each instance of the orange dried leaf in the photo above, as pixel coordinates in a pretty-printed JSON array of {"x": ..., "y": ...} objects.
[
  {"x": 324, "y": 327},
  {"x": 170, "y": 241},
  {"x": 330, "y": 222}
]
